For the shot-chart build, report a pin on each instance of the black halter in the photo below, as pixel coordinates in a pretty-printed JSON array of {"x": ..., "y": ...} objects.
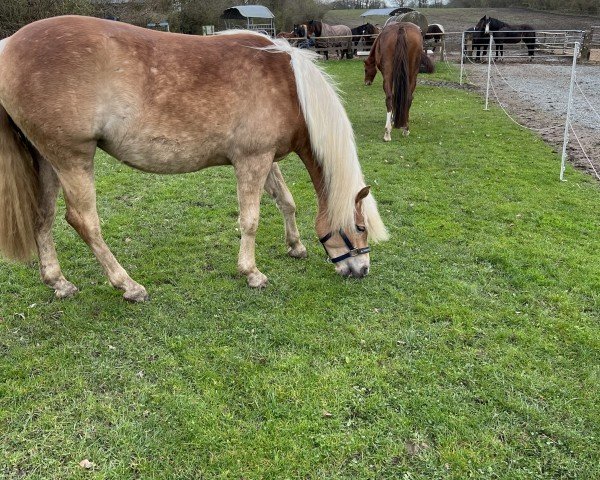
[{"x": 353, "y": 252}]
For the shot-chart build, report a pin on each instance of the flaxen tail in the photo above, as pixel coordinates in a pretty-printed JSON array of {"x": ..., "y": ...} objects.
[
  {"x": 401, "y": 90},
  {"x": 18, "y": 193}
]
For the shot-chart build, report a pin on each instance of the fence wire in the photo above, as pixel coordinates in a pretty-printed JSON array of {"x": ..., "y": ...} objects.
[{"x": 499, "y": 77}]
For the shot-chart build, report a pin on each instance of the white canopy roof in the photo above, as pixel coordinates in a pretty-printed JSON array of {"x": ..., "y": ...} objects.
[{"x": 247, "y": 11}]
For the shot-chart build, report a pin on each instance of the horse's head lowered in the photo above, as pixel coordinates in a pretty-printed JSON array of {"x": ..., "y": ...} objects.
[
  {"x": 348, "y": 249},
  {"x": 370, "y": 69}
]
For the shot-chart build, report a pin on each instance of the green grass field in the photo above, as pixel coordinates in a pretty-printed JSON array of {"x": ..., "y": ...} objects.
[{"x": 470, "y": 351}]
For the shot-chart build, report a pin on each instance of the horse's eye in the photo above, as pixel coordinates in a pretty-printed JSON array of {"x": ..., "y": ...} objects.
[{"x": 361, "y": 228}]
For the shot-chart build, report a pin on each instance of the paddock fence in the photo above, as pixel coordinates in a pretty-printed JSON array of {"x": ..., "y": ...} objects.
[
  {"x": 555, "y": 89},
  {"x": 591, "y": 45},
  {"x": 552, "y": 49},
  {"x": 549, "y": 44}
]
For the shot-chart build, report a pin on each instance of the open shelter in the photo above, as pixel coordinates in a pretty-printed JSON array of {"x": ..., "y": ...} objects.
[{"x": 250, "y": 17}]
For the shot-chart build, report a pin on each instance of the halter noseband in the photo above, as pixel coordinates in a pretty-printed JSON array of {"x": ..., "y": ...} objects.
[{"x": 353, "y": 251}]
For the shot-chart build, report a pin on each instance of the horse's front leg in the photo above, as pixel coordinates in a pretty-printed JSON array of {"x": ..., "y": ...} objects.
[
  {"x": 251, "y": 173},
  {"x": 387, "y": 88},
  {"x": 276, "y": 187}
]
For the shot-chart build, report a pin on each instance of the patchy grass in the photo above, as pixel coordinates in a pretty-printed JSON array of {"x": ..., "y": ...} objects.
[{"x": 470, "y": 351}]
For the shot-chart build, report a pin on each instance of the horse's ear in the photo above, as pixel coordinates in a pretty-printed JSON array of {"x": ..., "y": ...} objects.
[{"x": 363, "y": 193}]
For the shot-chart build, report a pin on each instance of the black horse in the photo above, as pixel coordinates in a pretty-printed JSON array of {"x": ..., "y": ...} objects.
[
  {"x": 476, "y": 44},
  {"x": 505, "y": 33},
  {"x": 365, "y": 33},
  {"x": 299, "y": 31}
]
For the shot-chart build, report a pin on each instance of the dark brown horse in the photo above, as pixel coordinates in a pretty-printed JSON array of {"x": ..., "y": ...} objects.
[
  {"x": 505, "y": 33},
  {"x": 426, "y": 65},
  {"x": 169, "y": 103},
  {"x": 435, "y": 32},
  {"x": 397, "y": 53},
  {"x": 365, "y": 33}
]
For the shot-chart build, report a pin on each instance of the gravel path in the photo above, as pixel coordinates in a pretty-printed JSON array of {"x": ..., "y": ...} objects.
[{"x": 535, "y": 95}]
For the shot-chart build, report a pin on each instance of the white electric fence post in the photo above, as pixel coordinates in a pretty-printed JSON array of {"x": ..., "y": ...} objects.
[
  {"x": 567, "y": 122},
  {"x": 462, "y": 56},
  {"x": 487, "y": 88}
]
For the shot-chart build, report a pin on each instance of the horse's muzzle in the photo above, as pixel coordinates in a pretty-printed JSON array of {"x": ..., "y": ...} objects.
[{"x": 350, "y": 272}]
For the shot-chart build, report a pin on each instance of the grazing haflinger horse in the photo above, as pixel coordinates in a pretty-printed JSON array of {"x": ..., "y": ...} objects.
[
  {"x": 397, "y": 53},
  {"x": 169, "y": 103},
  {"x": 505, "y": 33},
  {"x": 319, "y": 29}
]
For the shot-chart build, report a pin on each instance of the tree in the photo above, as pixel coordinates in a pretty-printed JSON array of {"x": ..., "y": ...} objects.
[{"x": 16, "y": 13}]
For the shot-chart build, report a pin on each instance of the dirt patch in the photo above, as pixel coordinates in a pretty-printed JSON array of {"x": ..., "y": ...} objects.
[{"x": 535, "y": 96}]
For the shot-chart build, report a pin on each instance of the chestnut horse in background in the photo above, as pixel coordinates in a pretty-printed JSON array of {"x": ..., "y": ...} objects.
[
  {"x": 170, "y": 103},
  {"x": 397, "y": 53}
]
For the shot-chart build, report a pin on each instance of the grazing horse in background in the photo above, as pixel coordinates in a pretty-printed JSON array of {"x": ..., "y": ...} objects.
[
  {"x": 436, "y": 33},
  {"x": 365, "y": 33},
  {"x": 144, "y": 97},
  {"x": 397, "y": 54},
  {"x": 426, "y": 65},
  {"x": 505, "y": 33},
  {"x": 319, "y": 29}
]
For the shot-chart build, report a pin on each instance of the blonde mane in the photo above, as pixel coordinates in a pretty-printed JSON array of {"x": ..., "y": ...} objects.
[{"x": 332, "y": 140}]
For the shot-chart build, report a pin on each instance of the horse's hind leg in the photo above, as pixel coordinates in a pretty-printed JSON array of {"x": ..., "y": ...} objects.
[
  {"x": 80, "y": 195},
  {"x": 387, "y": 88},
  {"x": 251, "y": 173},
  {"x": 49, "y": 266},
  {"x": 276, "y": 187}
]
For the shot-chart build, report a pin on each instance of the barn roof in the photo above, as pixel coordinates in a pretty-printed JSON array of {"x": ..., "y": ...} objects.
[{"x": 242, "y": 12}]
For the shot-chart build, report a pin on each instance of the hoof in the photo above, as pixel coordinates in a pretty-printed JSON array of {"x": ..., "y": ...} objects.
[
  {"x": 405, "y": 132},
  {"x": 257, "y": 280},
  {"x": 387, "y": 137},
  {"x": 65, "y": 290},
  {"x": 299, "y": 251},
  {"x": 137, "y": 294}
]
